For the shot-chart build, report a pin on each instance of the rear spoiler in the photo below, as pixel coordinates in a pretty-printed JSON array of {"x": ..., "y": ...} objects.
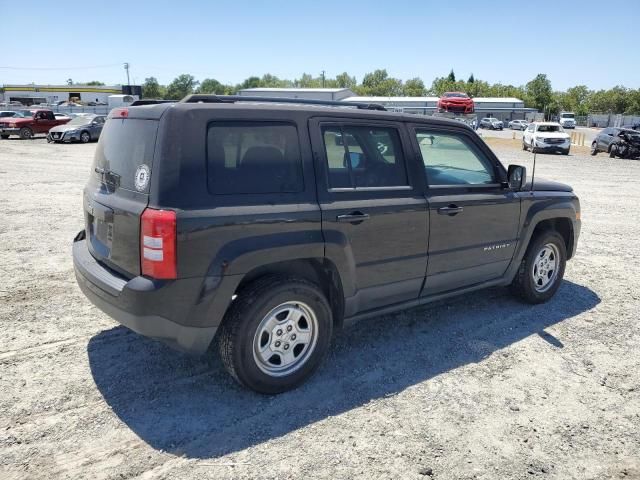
[{"x": 150, "y": 101}]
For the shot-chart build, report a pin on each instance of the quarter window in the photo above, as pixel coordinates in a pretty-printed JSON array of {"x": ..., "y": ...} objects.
[
  {"x": 253, "y": 158},
  {"x": 451, "y": 159},
  {"x": 364, "y": 157}
]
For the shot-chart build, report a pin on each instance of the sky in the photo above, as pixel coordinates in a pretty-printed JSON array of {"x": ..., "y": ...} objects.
[{"x": 498, "y": 41}]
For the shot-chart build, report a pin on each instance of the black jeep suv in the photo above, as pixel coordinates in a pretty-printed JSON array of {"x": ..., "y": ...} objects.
[{"x": 267, "y": 224}]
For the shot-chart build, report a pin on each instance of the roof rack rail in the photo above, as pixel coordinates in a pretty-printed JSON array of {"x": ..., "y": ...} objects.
[
  {"x": 206, "y": 98},
  {"x": 150, "y": 101}
]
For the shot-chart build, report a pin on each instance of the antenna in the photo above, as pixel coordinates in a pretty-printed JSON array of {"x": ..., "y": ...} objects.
[{"x": 533, "y": 174}]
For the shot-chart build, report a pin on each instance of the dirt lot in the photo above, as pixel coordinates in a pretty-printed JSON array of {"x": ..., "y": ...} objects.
[{"x": 476, "y": 387}]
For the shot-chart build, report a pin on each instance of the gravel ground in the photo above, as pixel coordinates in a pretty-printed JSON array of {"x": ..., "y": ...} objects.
[{"x": 475, "y": 387}]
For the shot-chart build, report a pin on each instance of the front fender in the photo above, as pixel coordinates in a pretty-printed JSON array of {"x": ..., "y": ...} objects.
[{"x": 538, "y": 207}]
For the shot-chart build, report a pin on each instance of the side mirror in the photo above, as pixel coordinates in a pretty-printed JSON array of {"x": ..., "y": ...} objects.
[{"x": 516, "y": 176}]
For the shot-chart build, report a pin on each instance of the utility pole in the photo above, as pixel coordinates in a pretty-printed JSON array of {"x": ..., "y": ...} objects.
[
  {"x": 126, "y": 67},
  {"x": 322, "y": 75}
]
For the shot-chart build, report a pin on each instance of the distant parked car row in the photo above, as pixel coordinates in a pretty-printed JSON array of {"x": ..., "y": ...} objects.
[{"x": 58, "y": 127}]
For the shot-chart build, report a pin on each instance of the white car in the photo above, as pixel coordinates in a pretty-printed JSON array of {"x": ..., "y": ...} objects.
[
  {"x": 518, "y": 124},
  {"x": 62, "y": 116},
  {"x": 546, "y": 137},
  {"x": 567, "y": 120}
]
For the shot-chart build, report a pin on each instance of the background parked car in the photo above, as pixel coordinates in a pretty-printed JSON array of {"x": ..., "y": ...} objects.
[
  {"x": 491, "y": 123},
  {"x": 518, "y": 124},
  {"x": 546, "y": 137},
  {"x": 7, "y": 113},
  {"x": 28, "y": 123},
  {"x": 567, "y": 120},
  {"x": 610, "y": 139},
  {"x": 80, "y": 129}
]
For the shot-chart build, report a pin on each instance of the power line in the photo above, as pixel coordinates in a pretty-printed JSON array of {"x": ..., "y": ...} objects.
[{"x": 61, "y": 68}]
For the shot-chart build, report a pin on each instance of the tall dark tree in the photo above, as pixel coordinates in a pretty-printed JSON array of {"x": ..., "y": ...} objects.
[
  {"x": 452, "y": 76},
  {"x": 152, "y": 89},
  {"x": 471, "y": 79}
]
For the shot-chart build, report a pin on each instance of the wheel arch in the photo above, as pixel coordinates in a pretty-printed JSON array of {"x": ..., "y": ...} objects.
[
  {"x": 562, "y": 225},
  {"x": 319, "y": 271}
]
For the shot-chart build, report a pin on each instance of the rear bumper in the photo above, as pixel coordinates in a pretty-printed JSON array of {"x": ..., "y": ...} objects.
[{"x": 164, "y": 310}]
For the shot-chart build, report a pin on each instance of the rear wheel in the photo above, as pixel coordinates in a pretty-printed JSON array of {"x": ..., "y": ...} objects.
[
  {"x": 26, "y": 133},
  {"x": 276, "y": 334},
  {"x": 542, "y": 268},
  {"x": 524, "y": 145},
  {"x": 4, "y": 137},
  {"x": 594, "y": 148}
]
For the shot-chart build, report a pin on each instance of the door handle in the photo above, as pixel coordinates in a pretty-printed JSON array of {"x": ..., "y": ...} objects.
[
  {"x": 353, "y": 217},
  {"x": 450, "y": 210}
]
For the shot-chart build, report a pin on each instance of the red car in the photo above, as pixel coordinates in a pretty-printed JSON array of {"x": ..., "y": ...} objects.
[
  {"x": 29, "y": 123},
  {"x": 455, "y": 102}
]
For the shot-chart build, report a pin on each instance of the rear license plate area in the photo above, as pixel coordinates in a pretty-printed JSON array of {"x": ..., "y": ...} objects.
[{"x": 100, "y": 227}]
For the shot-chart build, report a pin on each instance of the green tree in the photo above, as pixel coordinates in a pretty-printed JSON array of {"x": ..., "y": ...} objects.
[
  {"x": 181, "y": 86},
  {"x": 152, "y": 89},
  {"x": 69, "y": 81},
  {"x": 414, "y": 87},
  {"x": 452, "y": 76},
  {"x": 344, "y": 80},
  {"x": 95, "y": 83},
  {"x": 538, "y": 92},
  {"x": 211, "y": 85},
  {"x": 378, "y": 83},
  {"x": 251, "y": 82},
  {"x": 471, "y": 79}
]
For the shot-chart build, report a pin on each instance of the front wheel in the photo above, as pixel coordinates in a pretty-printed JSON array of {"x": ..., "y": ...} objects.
[
  {"x": 4, "y": 137},
  {"x": 541, "y": 269},
  {"x": 85, "y": 137},
  {"x": 594, "y": 149},
  {"x": 275, "y": 334},
  {"x": 26, "y": 133},
  {"x": 613, "y": 151}
]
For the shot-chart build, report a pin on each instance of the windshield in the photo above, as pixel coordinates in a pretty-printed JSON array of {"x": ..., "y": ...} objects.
[
  {"x": 455, "y": 94},
  {"x": 567, "y": 115},
  {"x": 550, "y": 128},
  {"x": 80, "y": 121},
  {"x": 24, "y": 113}
]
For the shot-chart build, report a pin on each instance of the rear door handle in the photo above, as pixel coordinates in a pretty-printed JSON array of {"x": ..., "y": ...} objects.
[
  {"x": 450, "y": 210},
  {"x": 353, "y": 217}
]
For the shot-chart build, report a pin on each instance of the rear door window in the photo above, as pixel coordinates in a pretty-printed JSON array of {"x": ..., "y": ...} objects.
[
  {"x": 253, "y": 158},
  {"x": 125, "y": 146},
  {"x": 364, "y": 157}
]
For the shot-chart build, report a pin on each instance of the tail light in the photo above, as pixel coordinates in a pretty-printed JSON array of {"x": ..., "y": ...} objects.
[
  {"x": 120, "y": 113},
  {"x": 158, "y": 243}
]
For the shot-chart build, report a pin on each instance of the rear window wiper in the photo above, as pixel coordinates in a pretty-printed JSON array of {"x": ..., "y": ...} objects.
[{"x": 108, "y": 177}]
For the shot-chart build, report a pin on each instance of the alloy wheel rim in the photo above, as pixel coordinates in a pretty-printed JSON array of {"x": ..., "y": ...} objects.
[
  {"x": 285, "y": 339},
  {"x": 546, "y": 264}
]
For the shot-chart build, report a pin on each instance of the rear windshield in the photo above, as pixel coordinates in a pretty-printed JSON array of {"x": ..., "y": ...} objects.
[{"x": 124, "y": 146}]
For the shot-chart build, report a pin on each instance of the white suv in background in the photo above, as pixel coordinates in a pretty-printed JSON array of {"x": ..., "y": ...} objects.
[
  {"x": 546, "y": 137},
  {"x": 567, "y": 120}
]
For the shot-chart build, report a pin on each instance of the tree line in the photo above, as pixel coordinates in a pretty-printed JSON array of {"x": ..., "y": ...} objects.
[{"x": 537, "y": 93}]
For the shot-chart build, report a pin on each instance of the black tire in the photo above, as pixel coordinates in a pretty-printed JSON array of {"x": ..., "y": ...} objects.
[
  {"x": 26, "y": 133},
  {"x": 524, "y": 284},
  {"x": 524, "y": 145},
  {"x": 240, "y": 325},
  {"x": 594, "y": 149},
  {"x": 85, "y": 137},
  {"x": 565, "y": 152},
  {"x": 613, "y": 151},
  {"x": 4, "y": 137}
]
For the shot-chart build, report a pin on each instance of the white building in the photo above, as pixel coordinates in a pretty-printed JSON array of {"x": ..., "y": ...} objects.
[
  {"x": 34, "y": 94},
  {"x": 505, "y": 109},
  {"x": 334, "y": 94}
]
